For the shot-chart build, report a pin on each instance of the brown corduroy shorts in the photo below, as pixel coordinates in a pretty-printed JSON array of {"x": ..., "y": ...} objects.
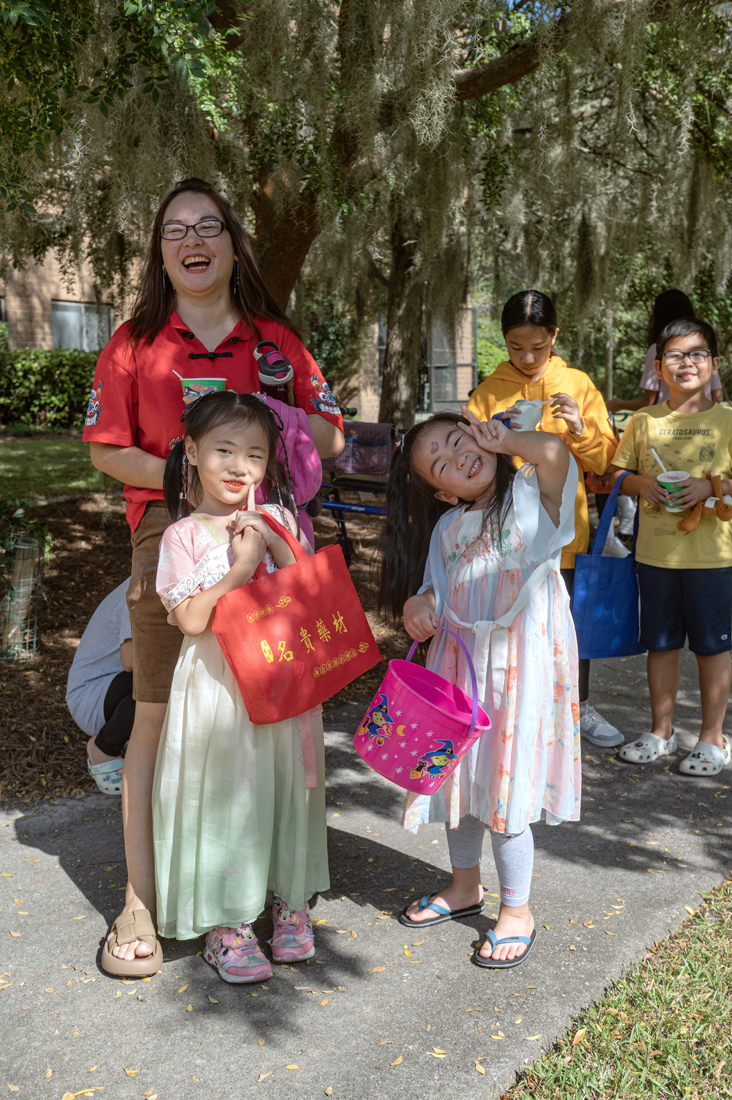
[{"x": 156, "y": 644}]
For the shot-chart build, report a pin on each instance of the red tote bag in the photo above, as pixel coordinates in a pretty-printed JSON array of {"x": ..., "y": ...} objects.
[{"x": 295, "y": 637}]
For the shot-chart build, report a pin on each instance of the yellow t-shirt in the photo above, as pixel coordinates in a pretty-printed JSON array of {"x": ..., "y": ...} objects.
[{"x": 694, "y": 442}]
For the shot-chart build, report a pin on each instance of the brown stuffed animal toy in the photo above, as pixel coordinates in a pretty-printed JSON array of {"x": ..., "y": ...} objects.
[{"x": 713, "y": 506}]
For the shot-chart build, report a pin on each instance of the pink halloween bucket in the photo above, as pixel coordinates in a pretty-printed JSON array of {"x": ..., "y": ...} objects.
[{"x": 419, "y": 725}]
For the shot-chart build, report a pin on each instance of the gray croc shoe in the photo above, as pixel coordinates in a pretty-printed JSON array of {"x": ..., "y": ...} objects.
[
  {"x": 108, "y": 775},
  {"x": 706, "y": 759},
  {"x": 647, "y": 748}
]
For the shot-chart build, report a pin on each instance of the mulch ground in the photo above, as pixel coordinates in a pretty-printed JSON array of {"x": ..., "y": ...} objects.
[{"x": 42, "y": 751}]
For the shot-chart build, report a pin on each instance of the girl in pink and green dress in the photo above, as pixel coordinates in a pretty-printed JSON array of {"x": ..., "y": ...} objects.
[{"x": 238, "y": 809}]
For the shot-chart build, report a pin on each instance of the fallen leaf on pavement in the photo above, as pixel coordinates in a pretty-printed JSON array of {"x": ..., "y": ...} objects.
[
  {"x": 435, "y": 1055},
  {"x": 149, "y": 1091},
  {"x": 587, "y": 924},
  {"x": 608, "y": 933},
  {"x": 547, "y": 927},
  {"x": 6, "y": 874},
  {"x": 47, "y": 990},
  {"x": 500, "y": 1035},
  {"x": 189, "y": 1008},
  {"x": 329, "y": 1091},
  {"x": 92, "y": 1068},
  {"x": 324, "y": 1002},
  {"x": 15, "y": 1088},
  {"x": 15, "y": 934},
  {"x": 530, "y": 1038},
  {"x": 473, "y": 1009},
  {"x": 385, "y": 1042},
  {"x": 214, "y": 1001},
  {"x": 376, "y": 970},
  {"x": 398, "y": 1061},
  {"x": 689, "y": 910},
  {"x": 260, "y": 1040},
  {"x": 49, "y": 1073},
  {"x": 263, "y": 1075},
  {"x": 579, "y": 1036},
  {"x": 479, "y": 1068},
  {"x": 131, "y": 1072},
  {"x": 407, "y": 953},
  {"x": 292, "y": 1067},
  {"x": 78, "y": 918},
  {"x": 418, "y": 943},
  {"x": 341, "y": 989},
  {"x": 572, "y": 947},
  {"x": 183, "y": 988}
]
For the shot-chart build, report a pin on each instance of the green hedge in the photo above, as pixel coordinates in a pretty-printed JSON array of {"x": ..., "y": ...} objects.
[{"x": 45, "y": 388}]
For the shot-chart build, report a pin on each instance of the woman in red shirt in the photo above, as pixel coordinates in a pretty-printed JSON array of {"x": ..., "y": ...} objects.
[{"x": 201, "y": 308}]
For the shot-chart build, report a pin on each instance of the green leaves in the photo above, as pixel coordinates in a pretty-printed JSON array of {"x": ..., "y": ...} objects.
[{"x": 41, "y": 46}]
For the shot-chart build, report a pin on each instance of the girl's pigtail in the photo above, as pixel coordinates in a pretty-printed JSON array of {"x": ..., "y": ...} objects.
[
  {"x": 175, "y": 482},
  {"x": 281, "y": 477}
]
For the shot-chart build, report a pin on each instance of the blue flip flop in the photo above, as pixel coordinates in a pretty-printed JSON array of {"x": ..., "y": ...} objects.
[
  {"x": 503, "y": 964},
  {"x": 442, "y": 913}
]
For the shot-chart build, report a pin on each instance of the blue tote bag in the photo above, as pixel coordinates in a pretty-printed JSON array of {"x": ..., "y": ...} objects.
[{"x": 605, "y": 595}]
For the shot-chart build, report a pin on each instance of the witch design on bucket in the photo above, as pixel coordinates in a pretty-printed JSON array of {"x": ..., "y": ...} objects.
[
  {"x": 435, "y": 761},
  {"x": 378, "y": 723}
]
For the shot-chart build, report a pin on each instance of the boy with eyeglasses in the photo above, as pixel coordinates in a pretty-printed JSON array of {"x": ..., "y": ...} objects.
[{"x": 685, "y": 579}]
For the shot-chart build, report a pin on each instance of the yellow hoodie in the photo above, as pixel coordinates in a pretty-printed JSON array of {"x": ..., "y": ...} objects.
[{"x": 593, "y": 449}]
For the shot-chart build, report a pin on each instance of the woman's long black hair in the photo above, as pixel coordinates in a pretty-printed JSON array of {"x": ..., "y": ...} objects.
[
  {"x": 249, "y": 295},
  {"x": 412, "y": 511},
  {"x": 180, "y": 480}
]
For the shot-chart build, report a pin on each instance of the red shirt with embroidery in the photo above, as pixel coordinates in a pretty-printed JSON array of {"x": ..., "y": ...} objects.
[{"x": 138, "y": 395}]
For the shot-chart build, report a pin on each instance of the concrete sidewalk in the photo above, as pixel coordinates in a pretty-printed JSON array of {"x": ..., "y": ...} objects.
[{"x": 649, "y": 842}]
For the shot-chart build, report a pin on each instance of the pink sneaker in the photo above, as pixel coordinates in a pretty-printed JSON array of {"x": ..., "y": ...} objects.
[
  {"x": 236, "y": 955},
  {"x": 292, "y": 939}
]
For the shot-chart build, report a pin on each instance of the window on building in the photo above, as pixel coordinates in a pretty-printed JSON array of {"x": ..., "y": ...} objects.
[{"x": 83, "y": 325}]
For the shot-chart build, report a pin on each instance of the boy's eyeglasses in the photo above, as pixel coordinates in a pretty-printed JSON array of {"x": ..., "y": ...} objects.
[
  {"x": 176, "y": 231},
  {"x": 676, "y": 358}
]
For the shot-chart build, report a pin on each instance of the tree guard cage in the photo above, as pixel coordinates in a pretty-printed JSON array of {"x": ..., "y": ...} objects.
[
  {"x": 452, "y": 362},
  {"x": 21, "y": 577}
]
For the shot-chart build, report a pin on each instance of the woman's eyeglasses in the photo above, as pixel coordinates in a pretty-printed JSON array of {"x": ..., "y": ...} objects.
[
  {"x": 176, "y": 231},
  {"x": 676, "y": 358}
]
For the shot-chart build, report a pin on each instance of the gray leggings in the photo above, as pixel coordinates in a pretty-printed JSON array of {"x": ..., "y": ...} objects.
[{"x": 513, "y": 855}]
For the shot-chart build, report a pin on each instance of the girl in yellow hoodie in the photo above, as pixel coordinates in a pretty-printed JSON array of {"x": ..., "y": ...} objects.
[{"x": 575, "y": 411}]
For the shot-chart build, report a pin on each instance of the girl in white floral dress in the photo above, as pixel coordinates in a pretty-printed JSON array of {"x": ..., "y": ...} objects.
[
  {"x": 238, "y": 809},
  {"x": 491, "y": 575}
]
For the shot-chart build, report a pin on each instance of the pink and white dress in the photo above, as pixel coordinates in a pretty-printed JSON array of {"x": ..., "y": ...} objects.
[
  {"x": 527, "y": 767},
  {"x": 238, "y": 809}
]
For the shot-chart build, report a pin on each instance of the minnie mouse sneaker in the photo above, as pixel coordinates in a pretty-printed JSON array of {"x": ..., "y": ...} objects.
[
  {"x": 236, "y": 955},
  {"x": 292, "y": 939}
]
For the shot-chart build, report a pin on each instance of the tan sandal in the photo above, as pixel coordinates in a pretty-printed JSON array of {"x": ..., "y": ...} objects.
[{"x": 127, "y": 928}]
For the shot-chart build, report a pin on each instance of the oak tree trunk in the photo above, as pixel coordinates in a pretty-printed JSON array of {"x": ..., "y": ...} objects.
[{"x": 400, "y": 379}]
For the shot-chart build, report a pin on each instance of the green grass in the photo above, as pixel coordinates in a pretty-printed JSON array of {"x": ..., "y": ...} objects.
[
  {"x": 664, "y": 1032},
  {"x": 47, "y": 467}
]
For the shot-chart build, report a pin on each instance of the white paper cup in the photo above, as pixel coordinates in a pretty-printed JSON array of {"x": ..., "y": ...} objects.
[
  {"x": 529, "y": 416},
  {"x": 672, "y": 481}
]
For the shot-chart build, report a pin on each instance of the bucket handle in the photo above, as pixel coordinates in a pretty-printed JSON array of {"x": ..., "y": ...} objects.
[{"x": 471, "y": 669}]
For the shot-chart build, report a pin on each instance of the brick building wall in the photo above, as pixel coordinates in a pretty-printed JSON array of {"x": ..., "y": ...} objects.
[{"x": 28, "y": 295}]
